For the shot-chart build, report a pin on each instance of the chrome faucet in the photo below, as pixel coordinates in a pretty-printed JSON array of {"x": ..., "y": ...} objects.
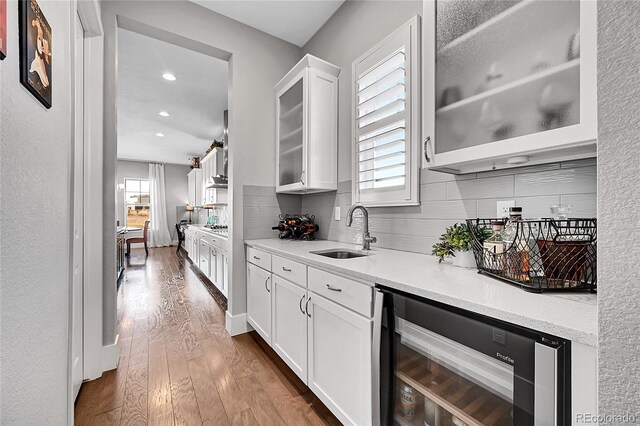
[{"x": 367, "y": 239}]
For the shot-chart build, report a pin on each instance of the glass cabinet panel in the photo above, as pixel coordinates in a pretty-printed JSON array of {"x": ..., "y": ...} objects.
[
  {"x": 291, "y": 134},
  {"x": 505, "y": 69},
  {"x": 441, "y": 382}
]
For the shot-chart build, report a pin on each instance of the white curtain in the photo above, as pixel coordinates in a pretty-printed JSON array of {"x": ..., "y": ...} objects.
[{"x": 158, "y": 231}]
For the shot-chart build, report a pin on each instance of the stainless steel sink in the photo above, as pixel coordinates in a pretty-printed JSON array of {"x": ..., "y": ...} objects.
[{"x": 340, "y": 253}]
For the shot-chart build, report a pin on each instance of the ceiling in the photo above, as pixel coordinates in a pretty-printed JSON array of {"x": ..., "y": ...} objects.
[
  {"x": 293, "y": 21},
  {"x": 195, "y": 101}
]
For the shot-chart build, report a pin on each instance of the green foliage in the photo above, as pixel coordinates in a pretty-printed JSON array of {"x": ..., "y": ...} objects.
[{"x": 456, "y": 238}]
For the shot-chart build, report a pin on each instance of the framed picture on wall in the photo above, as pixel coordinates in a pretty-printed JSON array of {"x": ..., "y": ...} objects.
[
  {"x": 3, "y": 29},
  {"x": 35, "y": 51}
]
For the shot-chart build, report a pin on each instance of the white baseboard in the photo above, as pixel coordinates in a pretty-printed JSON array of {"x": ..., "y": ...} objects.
[
  {"x": 111, "y": 355},
  {"x": 237, "y": 324}
]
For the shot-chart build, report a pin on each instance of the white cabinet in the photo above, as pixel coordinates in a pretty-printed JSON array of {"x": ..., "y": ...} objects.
[
  {"x": 259, "y": 300},
  {"x": 213, "y": 265},
  {"x": 289, "y": 322},
  {"x": 222, "y": 271},
  {"x": 322, "y": 339},
  {"x": 194, "y": 187},
  {"x": 307, "y": 128},
  {"x": 340, "y": 360},
  {"x": 203, "y": 258},
  {"x": 512, "y": 84},
  {"x": 212, "y": 165},
  {"x": 191, "y": 244}
]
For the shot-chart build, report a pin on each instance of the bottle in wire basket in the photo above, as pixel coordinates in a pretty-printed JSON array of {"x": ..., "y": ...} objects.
[
  {"x": 494, "y": 247},
  {"x": 516, "y": 245}
]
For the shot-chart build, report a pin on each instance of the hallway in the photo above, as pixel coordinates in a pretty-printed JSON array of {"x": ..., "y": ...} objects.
[{"x": 179, "y": 366}]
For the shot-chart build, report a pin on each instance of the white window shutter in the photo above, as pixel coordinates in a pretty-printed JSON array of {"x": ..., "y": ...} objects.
[{"x": 386, "y": 120}]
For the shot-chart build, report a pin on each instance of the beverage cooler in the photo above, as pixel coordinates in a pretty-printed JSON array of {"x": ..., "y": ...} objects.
[{"x": 437, "y": 365}]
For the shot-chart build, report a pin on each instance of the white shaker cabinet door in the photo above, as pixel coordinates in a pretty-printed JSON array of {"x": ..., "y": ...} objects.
[
  {"x": 339, "y": 360},
  {"x": 259, "y": 300},
  {"x": 289, "y": 337}
]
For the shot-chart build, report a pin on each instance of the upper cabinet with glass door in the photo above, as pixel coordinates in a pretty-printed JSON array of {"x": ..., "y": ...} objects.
[
  {"x": 508, "y": 83},
  {"x": 307, "y": 128}
]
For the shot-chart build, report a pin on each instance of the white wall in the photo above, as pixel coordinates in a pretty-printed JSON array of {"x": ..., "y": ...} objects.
[
  {"x": 355, "y": 28},
  {"x": 175, "y": 178},
  {"x": 257, "y": 62},
  {"x": 35, "y": 200},
  {"x": 618, "y": 208}
]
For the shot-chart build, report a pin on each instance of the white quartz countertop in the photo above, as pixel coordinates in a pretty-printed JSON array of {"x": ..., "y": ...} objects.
[{"x": 572, "y": 316}]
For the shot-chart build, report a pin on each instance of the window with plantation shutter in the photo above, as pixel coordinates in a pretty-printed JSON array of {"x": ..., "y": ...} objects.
[{"x": 386, "y": 150}]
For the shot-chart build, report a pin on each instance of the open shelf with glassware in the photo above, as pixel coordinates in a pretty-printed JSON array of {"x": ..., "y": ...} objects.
[{"x": 511, "y": 83}]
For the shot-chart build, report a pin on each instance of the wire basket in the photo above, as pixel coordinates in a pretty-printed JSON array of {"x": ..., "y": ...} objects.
[{"x": 544, "y": 254}]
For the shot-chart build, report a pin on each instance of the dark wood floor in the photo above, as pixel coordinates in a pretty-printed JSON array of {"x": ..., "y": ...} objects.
[{"x": 179, "y": 366}]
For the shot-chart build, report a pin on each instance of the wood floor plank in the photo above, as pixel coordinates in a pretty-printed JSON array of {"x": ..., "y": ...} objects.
[
  {"x": 109, "y": 418},
  {"x": 140, "y": 342},
  {"x": 230, "y": 394},
  {"x": 235, "y": 361},
  {"x": 246, "y": 346},
  {"x": 134, "y": 408},
  {"x": 244, "y": 418},
  {"x": 159, "y": 396},
  {"x": 185, "y": 406},
  {"x": 209, "y": 402},
  {"x": 292, "y": 410},
  {"x": 261, "y": 406},
  {"x": 179, "y": 366},
  {"x": 88, "y": 402}
]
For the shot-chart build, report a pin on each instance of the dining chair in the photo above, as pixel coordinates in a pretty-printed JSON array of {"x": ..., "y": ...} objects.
[{"x": 142, "y": 239}]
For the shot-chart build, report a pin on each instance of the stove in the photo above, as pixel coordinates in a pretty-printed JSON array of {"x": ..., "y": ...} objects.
[{"x": 219, "y": 229}]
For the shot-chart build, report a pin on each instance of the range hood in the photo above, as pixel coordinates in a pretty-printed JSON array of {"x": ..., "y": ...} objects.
[
  {"x": 218, "y": 181},
  {"x": 221, "y": 181}
]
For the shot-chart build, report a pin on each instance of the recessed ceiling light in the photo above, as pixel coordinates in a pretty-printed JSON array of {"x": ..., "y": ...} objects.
[
  {"x": 160, "y": 135},
  {"x": 163, "y": 113},
  {"x": 169, "y": 76}
]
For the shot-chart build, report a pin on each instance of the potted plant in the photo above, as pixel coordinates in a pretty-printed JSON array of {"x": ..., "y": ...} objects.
[{"x": 456, "y": 243}]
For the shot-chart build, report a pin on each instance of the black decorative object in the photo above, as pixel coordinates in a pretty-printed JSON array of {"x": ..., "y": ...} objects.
[
  {"x": 296, "y": 227},
  {"x": 35, "y": 51},
  {"x": 545, "y": 254}
]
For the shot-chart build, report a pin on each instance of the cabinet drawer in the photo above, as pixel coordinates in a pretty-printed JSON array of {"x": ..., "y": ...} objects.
[
  {"x": 349, "y": 293},
  {"x": 259, "y": 258},
  {"x": 292, "y": 271}
]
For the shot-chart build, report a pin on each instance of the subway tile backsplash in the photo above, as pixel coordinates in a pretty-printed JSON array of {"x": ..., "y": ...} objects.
[
  {"x": 261, "y": 209},
  {"x": 446, "y": 199}
]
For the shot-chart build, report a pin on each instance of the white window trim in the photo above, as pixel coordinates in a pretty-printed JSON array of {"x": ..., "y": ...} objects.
[
  {"x": 126, "y": 205},
  {"x": 413, "y": 131}
]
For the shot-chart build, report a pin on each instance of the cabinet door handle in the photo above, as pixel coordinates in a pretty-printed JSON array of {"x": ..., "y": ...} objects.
[
  {"x": 306, "y": 307},
  {"x": 301, "y": 310},
  {"x": 265, "y": 285},
  {"x": 330, "y": 287},
  {"x": 256, "y": 257},
  {"x": 286, "y": 269},
  {"x": 427, "y": 141}
]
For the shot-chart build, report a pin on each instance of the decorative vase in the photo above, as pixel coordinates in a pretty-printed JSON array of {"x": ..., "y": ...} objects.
[{"x": 464, "y": 259}]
